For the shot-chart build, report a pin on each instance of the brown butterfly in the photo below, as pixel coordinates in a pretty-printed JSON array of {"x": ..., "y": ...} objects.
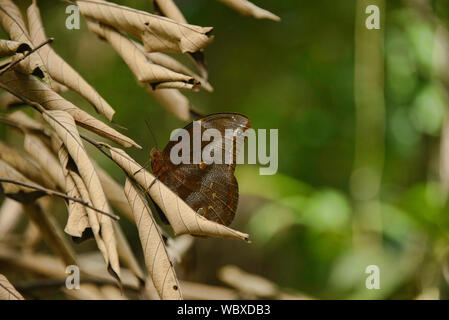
[{"x": 209, "y": 189}]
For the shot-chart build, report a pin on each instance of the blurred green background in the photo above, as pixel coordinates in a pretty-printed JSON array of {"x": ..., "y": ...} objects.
[{"x": 298, "y": 76}]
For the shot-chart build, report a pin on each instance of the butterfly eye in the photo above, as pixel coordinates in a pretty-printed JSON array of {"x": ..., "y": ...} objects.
[
  {"x": 200, "y": 211},
  {"x": 239, "y": 132}
]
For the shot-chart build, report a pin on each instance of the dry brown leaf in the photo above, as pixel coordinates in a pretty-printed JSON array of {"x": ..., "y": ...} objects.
[
  {"x": 157, "y": 33},
  {"x": 10, "y": 214},
  {"x": 199, "y": 291},
  {"x": 12, "y": 22},
  {"x": 172, "y": 100},
  {"x": 92, "y": 264},
  {"x": 10, "y": 48},
  {"x": 65, "y": 127},
  {"x": 26, "y": 166},
  {"x": 176, "y": 85},
  {"x": 169, "y": 9},
  {"x": 86, "y": 291},
  {"x": 156, "y": 258},
  {"x": 16, "y": 186},
  {"x": 37, "y": 264},
  {"x": 115, "y": 194},
  {"x": 89, "y": 291},
  {"x": 247, "y": 8},
  {"x": 78, "y": 220},
  {"x": 60, "y": 70},
  {"x": 168, "y": 62},
  {"x": 57, "y": 87},
  {"x": 17, "y": 192},
  {"x": 135, "y": 58},
  {"x": 45, "y": 158},
  {"x": 97, "y": 227},
  {"x": 25, "y": 122},
  {"x": 31, "y": 88},
  {"x": 43, "y": 265},
  {"x": 112, "y": 293},
  {"x": 8, "y": 100},
  {"x": 7, "y": 290},
  {"x": 51, "y": 232},
  {"x": 91, "y": 215},
  {"x": 182, "y": 218},
  {"x": 247, "y": 283},
  {"x": 31, "y": 237}
]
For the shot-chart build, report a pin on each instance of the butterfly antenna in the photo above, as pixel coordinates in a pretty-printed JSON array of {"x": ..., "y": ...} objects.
[
  {"x": 155, "y": 142},
  {"x": 151, "y": 132},
  {"x": 143, "y": 167}
]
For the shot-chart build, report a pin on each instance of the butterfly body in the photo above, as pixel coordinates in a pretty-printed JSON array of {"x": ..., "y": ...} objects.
[{"x": 209, "y": 189}]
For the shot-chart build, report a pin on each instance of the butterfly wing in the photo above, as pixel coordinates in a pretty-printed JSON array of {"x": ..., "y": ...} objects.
[{"x": 211, "y": 190}]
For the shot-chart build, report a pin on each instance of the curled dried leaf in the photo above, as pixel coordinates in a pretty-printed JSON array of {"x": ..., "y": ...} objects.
[
  {"x": 247, "y": 8},
  {"x": 19, "y": 193},
  {"x": 135, "y": 58},
  {"x": 12, "y": 22},
  {"x": 10, "y": 48},
  {"x": 10, "y": 214},
  {"x": 32, "y": 237},
  {"x": 248, "y": 283},
  {"x": 172, "y": 100},
  {"x": 65, "y": 127},
  {"x": 114, "y": 193},
  {"x": 78, "y": 220},
  {"x": 8, "y": 100},
  {"x": 47, "y": 161},
  {"x": 38, "y": 264},
  {"x": 25, "y": 122},
  {"x": 157, "y": 33},
  {"x": 171, "y": 63},
  {"x": 156, "y": 258},
  {"x": 169, "y": 9},
  {"x": 87, "y": 291},
  {"x": 200, "y": 291},
  {"x": 176, "y": 85},
  {"x": 92, "y": 264},
  {"x": 60, "y": 70},
  {"x": 23, "y": 164},
  {"x": 51, "y": 232},
  {"x": 112, "y": 293},
  {"x": 34, "y": 90}
]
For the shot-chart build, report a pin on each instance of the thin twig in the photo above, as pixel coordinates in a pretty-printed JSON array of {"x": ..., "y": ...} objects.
[
  {"x": 26, "y": 55},
  {"x": 57, "y": 194}
]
